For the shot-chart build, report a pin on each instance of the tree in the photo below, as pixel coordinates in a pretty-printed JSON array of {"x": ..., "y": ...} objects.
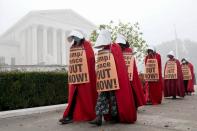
[{"x": 131, "y": 32}]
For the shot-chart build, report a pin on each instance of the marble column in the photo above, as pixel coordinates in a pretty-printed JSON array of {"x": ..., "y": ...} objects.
[
  {"x": 29, "y": 46},
  {"x": 54, "y": 46},
  {"x": 45, "y": 45},
  {"x": 34, "y": 45},
  {"x": 22, "y": 48}
]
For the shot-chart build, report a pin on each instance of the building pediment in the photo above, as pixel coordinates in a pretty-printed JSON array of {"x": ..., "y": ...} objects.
[
  {"x": 6, "y": 42},
  {"x": 64, "y": 17},
  {"x": 40, "y": 37}
]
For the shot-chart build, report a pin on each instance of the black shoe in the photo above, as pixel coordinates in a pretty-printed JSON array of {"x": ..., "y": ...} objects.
[
  {"x": 114, "y": 120},
  {"x": 97, "y": 121},
  {"x": 174, "y": 97},
  {"x": 60, "y": 120},
  {"x": 65, "y": 120}
]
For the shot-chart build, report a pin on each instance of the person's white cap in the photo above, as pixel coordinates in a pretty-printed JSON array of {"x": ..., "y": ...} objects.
[
  {"x": 187, "y": 59},
  {"x": 76, "y": 33},
  {"x": 151, "y": 48},
  {"x": 121, "y": 39},
  {"x": 171, "y": 53},
  {"x": 103, "y": 39}
]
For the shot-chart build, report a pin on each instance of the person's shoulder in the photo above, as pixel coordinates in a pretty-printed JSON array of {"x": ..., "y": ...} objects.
[
  {"x": 157, "y": 54},
  {"x": 190, "y": 63},
  {"x": 115, "y": 45},
  {"x": 177, "y": 61},
  {"x": 87, "y": 43},
  {"x": 128, "y": 49}
]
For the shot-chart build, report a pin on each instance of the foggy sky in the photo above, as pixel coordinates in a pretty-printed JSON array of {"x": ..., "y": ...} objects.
[{"x": 156, "y": 17}]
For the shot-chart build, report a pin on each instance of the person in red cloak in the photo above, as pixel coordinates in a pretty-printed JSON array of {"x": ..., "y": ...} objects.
[
  {"x": 82, "y": 97},
  {"x": 188, "y": 84},
  {"x": 135, "y": 83},
  {"x": 153, "y": 89},
  {"x": 173, "y": 87},
  {"x": 119, "y": 104}
]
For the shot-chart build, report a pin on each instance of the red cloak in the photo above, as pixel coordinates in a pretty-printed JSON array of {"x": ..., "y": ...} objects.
[
  {"x": 124, "y": 96},
  {"x": 136, "y": 84},
  {"x": 174, "y": 87},
  {"x": 190, "y": 85},
  {"x": 86, "y": 94},
  {"x": 154, "y": 89}
]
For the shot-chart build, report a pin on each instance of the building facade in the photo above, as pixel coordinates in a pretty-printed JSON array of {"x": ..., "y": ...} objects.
[{"x": 39, "y": 38}]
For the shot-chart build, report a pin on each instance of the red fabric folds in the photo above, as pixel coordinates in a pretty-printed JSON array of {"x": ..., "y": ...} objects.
[
  {"x": 124, "y": 96},
  {"x": 174, "y": 87},
  {"x": 190, "y": 85},
  {"x": 154, "y": 89},
  {"x": 136, "y": 84},
  {"x": 86, "y": 94}
]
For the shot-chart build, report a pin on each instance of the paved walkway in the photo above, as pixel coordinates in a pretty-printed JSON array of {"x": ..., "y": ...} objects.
[{"x": 171, "y": 115}]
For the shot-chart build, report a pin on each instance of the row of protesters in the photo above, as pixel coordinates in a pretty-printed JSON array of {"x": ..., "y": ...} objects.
[
  {"x": 118, "y": 96},
  {"x": 110, "y": 86},
  {"x": 118, "y": 80},
  {"x": 178, "y": 78}
]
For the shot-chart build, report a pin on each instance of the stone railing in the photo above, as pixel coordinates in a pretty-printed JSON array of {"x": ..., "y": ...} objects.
[{"x": 37, "y": 68}]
